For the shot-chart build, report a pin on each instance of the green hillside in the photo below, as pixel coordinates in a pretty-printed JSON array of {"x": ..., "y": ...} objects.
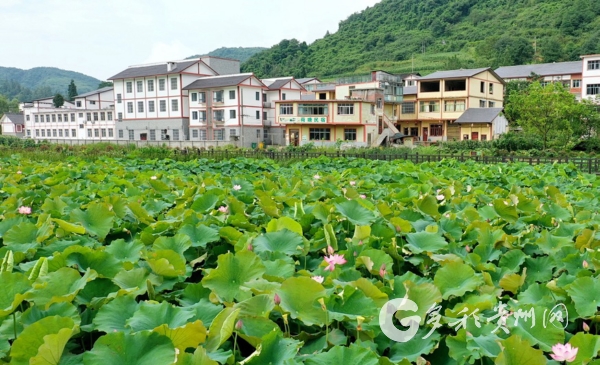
[
  {"x": 441, "y": 34},
  {"x": 237, "y": 53},
  {"x": 40, "y": 82}
]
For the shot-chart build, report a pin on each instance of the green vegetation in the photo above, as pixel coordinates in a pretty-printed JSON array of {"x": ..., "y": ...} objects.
[
  {"x": 138, "y": 261},
  {"x": 58, "y": 100},
  {"x": 237, "y": 53},
  {"x": 441, "y": 35}
]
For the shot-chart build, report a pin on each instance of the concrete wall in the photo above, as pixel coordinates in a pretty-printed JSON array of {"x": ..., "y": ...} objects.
[{"x": 144, "y": 126}]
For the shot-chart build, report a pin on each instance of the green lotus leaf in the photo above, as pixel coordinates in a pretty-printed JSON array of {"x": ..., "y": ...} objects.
[
  {"x": 512, "y": 260},
  {"x": 142, "y": 348},
  {"x": 425, "y": 295},
  {"x": 87, "y": 258},
  {"x": 232, "y": 272},
  {"x": 421, "y": 344},
  {"x": 35, "y": 313},
  {"x": 125, "y": 251},
  {"x": 257, "y": 306},
  {"x": 205, "y": 202},
  {"x": 425, "y": 242},
  {"x": 198, "y": 358},
  {"x": 588, "y": 347},
  {"x": 97, "y": 219},
  {"x": 429, "y": 206},
  {"x": 374, "y": 260},
  {"x": 283, "y": 241},
  {"x": 353, "y": 303},
  {"x": 516, "y": 351},
  {"x": 69, "y": 227},
  {"x": 506, "y": 210},
  {"x": 4, "y": 348},
  {"x": 190, "y": 335},
  {"x": 178, "y": 243},
  {"x": 284, "y": 223},
  {"x": 221, "y": 328},
  {"x": 299, "y": 298},
  {"x": 43, "y": 342},
  {"x": 274, "y": 349},
  {"x": 330, "y": 237},
  {"x": 200, "y": 235},
  {"x": 14, "y": 286},
  {"x": 149, "y": 316},
  {"x": 167, "y": 263},
  {"x": 279, "y": 269},
  {"x": 456, "y": 279},
  {"x": 113, "y": 316},
  {"x": 354, "y": 354},
  {"x": 21, "y": 237},
  {"x": 255, "y": 328},
  {"x": 585, "y": 293},
  {"x": 532, "y": 324},
  {"x": 140, "y": 213},
  {"x": 59, "y": 286},
  {"x": 355, "y": 213}
]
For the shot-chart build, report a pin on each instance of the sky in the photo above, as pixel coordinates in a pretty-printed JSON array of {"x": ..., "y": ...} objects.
[{"x": 102, "y": 38}]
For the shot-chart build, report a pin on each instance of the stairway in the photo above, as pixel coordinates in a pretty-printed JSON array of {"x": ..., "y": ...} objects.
[{"x": 388, "y": 131}]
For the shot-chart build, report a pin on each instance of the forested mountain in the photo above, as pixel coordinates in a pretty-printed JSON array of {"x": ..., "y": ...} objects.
[
  {"x": 238, "y": 53},
  {"x": 41, "y": 82},
  {"x": 429, "y": 35}
]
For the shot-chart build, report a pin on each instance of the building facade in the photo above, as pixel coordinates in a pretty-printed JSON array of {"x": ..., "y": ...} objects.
[
  {"x": 13, "y": 124},
  {"x": 567, "y": 73},
  {"x": 590, "y": 88}
]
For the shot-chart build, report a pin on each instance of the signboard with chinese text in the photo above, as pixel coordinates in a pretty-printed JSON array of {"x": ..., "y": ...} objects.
[{"x": 292, "y": 120}]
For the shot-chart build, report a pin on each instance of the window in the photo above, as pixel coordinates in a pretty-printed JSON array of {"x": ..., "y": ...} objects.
[
  {"x": 258, "y": 114},
  {"x": 88, "y": 117},
  {"x": 109, "y": 116},
  {"x": 231, "y": 94},
  {"x": 163, "y": 135},
  {"x": 153, "y": 134},
  {"x": 150, "y": 106},
  {"x": 131, "y": 135},
  {"x": 465, "y": 137},
  {"x": 47, "y": 118},
  {"x": 257, "y": 95},
  {"x": 73, "y": 133},
  {"x": 408, "y": 107},
  {"x": 78, "y": 104},
  {"x": 593, "y": 89},
  {"x": 120, "y": 116},
  {"x": 455, "y": 85},
  {"x": 129, "y": 107},
  {"x": 491, "y": 104},
  {"x": 140, "y": 86},
  {"x": 60, "y": 132},
  {"x": 202, "y": 97},
  {"x": 429, "y": 106},
  {"x": 482, "y": 87},
  {"x": 37, "y": 132},
  {"x": 174, "y": 105},
  {"x": 161, "y": 84},
  {"x": 54, "y": 133},
  {"x": 350, "y": 134},
  {"x": 150, "y": 86},
  {"x": 176, "y": 134},
  {"x": 312, "y": 109},
  {"x": 103, "y": 132},
  {"x": 484, "y": 137},
  {"x": 576, "y": 83},
  {"x": 265, "y": 133},
  {"x": 81, "y": 126},
  {"x": 283, "y": 96},
  {"x": 264, "y": 97},
  {"x": 319, "y": 134},
  {"x": 203, "y": 135},
  {"x": 436, "y": 130},
  {"x": 129, "y": 87},
  {"x": 119, "y": 98},
  {"x": 96, "y": 133},
  {"x": 232, "y": 114},
  {"x": 36, "y": 119},
  {"x": 454, "y": 105},
  {"x": 194, "y": 115},
  {"x": 43, "y": 133},
  {"x": 218, "y": 96},
  {"x": 66, "y": 132},
  {"x": 102, "y": 116},
  {"x": 265, "y": 116},
  {"x": 140, "y": 106},
  {"x": 219, "y": 134},
  {"x": 72, "y": 117},
  {"x": 429, "y": 86},
  {"x": 110, "y": 132},
  {"x": 594, "y": 65},
  {"x": 232, "y": 132},
  {"x": 379, "y": 103},
  {"x": 120, "y": 133},
  {"x": 53, "y": 118},
  {"x": 95, "y": 116},
  {"x": 65, "y": 117},
  {"x": 218, "y": 115},
  {"x": 345, "y": 109},
  {"x": 89, "y": 132},
  {"x": 286, "y": 109},
  {"x": 202, "y": 115},
  {"x": 194, "y": 133},
  {"x": 60, "y": 117},
  {"x": 482, "y": 103},
  {"x": 491, "y": 88},
  {"x": 194, "y": 96},
  {"x": 258, "y": 133},
  {"x": 173, "y": 83},
  {"x": 162, "y": 105}
]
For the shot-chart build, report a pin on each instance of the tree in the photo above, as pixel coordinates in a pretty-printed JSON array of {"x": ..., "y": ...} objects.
[
  {"x": 58, "y": 100},
  {"x": 514, "y": 86},
  {"x": 552, "y": 50},
  {"x": 105, "y": 84},
  {"x": 512, "y": 51},
  {"x": 72, "y": 91},
  {"x": 549, "y": 111}
]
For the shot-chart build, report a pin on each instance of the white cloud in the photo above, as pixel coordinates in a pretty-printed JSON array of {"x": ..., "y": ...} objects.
[{"x": 168, "y": 51}]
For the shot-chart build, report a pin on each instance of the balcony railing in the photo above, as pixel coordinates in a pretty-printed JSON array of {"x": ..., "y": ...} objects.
[{"x": 393, "y": 98}]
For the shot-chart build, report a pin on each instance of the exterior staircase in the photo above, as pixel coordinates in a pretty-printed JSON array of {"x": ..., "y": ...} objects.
[{"x": 388, "y": 131}]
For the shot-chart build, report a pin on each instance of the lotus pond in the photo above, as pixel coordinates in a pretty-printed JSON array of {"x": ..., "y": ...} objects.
[{"x": 131, "y": 261}]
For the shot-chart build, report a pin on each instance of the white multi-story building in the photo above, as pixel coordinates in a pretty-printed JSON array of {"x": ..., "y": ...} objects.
[
  {"x": 89, "y": 116},
  {"x": 151, "y": 102},
  {"x": 590, "y": 88},
  {"x": 278, "y": 89}
]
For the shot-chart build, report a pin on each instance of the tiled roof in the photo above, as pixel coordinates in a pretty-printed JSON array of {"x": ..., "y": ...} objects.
[
  {"x": 479, "y": 115},
  {"x": 543, "y": 69},
  {"x": 16, "y": 118},
  {"x": 99, "y": 91},
  {"x": 278, "y": 84},
  {"x": 150, "y": 70},
  {"x": 217, "y": 81},
  {"x": 410, "y": 90},
  {"x": 454, "y": 74}
]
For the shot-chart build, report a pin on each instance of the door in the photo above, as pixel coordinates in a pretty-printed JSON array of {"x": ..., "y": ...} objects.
[
  {"x": 144, "y": 136},
  {"x": 475, "y": 136},
  {"x": 380, "y": 125},
  {"x": 425, "y": 134},
  {"x": 294, "y": 137}
]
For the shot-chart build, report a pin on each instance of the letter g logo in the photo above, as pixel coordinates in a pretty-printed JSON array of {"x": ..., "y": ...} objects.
[{"x": 386, "y": 316}]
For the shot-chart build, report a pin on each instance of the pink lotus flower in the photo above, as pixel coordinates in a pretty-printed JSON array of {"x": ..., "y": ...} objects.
[
  {"x": 24, "y": 210},
  {"x": 153, "y": 177},
  {"x": 562, "y": 352},
  {"x": 334, "y": 260},
  {"x": 440, "y": 197},
  {"x": 585, "y": 264},
  {"x": 330, "y": 250},
  {"x": 277, "y": 299},
  {"x": 237, "y": 187},
  {"x": 586, "y": 328},
  {"x": 224, "y": 209},
  {"x": 250, "y": 248},
  {"x": 239, "y": 324},
  {"x": 382, "y": 271},
  {"x": 363, "y": 196},
  {"x": 352, "y": 183},
  {"x": 317, "y": 177},
  {"x": 318, "y": 279}
]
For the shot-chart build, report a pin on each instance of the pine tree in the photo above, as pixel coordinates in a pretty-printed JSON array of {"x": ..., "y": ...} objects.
[
  {"x": 72, "y": 92},
  {"x": 58, "y": 100}
]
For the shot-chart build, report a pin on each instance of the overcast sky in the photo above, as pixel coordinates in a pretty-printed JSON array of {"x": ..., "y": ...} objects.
[{"x": 101, "y": 38}]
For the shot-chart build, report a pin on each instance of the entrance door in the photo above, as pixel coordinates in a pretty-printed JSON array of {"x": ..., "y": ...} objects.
[
  {"x": 380, "y": 125},
  {"x": 475, "y": 136},
  {"x": 144, "y": 136},
  {"x": 425, "y": 133},
  {"x": 294, "y": 137}
]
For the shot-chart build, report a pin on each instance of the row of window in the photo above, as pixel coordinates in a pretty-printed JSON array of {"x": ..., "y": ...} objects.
[
  {"x": 449, "y": 106},
  {"x": 593, "y": 65},
  {"x": 219, "y": 115},
  {"x": 316, "y": 109},
  {"x": 91, "y": 116},
  {"x": 218, "y": 96},
  {"x": 593, "y": 89},
  {"x": 162, "y": 106},
  {"x": 139, "y": 86},
  {"x": 165, "y": 135},
  {"x": 324, "y": 134}
]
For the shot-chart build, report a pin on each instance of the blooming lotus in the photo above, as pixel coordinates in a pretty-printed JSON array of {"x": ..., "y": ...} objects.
[
  {"x": 224, "y": 209},
  {"x": 562, "y": 352},
  {"x": 24, "y": 210},
  {"x": 237, "y": 187},
  {"x": 317, "y": 177},
  {"x": 330, "y": 250},
  {"x": 363, "y": 196},
  {"x": 352, "y": 183},
  {"x": 153, "y": 177},
  {"x": 334, "y": 260},
  {"x": 318, "y": 279}
]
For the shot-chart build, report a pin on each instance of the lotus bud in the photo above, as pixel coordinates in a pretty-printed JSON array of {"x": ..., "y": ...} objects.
[
  {"x": 586, "y": 328},
  {"x": 398, "y": 229},
  {"x": 277, "y": 299},
  {"x": 285, "y": 319},
  {"x": 360, "y": 320},
  {"x": 322, "y": 302},
  {"x": 239, "y": 324},
  {"x": 467, "y": 248},
  {"x": 330, "y": 250},
  {"x": 382, "y": 270},
  {"x": 585, "y": 264},
  {"x": 250, "y": 248}
]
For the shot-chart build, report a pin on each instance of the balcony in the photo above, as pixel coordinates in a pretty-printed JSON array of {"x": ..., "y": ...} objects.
[
  {"x": 267, "y": 104},
  {"x": 393, "y": 98}
]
